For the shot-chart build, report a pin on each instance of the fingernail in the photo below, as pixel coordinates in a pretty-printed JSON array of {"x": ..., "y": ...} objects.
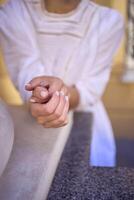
[
  {"x": 32, "y": 101},
  {"x": 44, "y": 84},
  {"x": 43, "y": 94},
  {"x": 28, "y": 85},
  {"x": 57, "y": 93},
  {"x": 62, "y": 93},
  {"x": 66, "y": 98}
]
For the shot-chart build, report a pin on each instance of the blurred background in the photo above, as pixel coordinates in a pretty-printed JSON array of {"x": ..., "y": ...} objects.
[{"x": 119, "y": 95}]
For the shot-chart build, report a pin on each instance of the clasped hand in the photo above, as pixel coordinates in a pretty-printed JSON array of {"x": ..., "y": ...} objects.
[{"x": 49, "y": 102}]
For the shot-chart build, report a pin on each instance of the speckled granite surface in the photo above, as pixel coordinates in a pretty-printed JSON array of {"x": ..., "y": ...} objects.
[{"x": 75, "y": 180}]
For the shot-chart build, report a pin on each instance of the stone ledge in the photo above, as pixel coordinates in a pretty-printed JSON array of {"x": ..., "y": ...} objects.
[
  {"x": 6, "y": 136},
  {"x": 34, "y": 159}
]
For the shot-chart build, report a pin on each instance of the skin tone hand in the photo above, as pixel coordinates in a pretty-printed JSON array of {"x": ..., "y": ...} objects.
[
  {"x": 40, "y": 95},
  {"x": 52, "y": 114},
  {"x": 44, "y": 86},
  {"x": 51, "y": 107}
]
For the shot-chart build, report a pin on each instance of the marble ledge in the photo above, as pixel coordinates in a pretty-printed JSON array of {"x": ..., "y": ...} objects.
[{"x": 34, "y": 158}]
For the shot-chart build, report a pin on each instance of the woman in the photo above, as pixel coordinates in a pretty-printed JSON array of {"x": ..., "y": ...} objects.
[{"x": 73, "y": 40}]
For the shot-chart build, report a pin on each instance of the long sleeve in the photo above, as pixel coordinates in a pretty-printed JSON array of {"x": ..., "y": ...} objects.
[
  {"x": 19, "y": 46},
  {"x": 93, "y": 81}
]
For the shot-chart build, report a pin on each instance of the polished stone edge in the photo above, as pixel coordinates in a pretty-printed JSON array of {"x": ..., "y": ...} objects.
[
  {"x": 48, "y": 175},
  {"x": 6, "y": 136}
]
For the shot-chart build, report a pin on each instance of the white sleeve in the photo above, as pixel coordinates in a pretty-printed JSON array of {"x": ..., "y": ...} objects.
[
  {"x": 93, "y": 81},
  {"x": 19, "y": 47}
]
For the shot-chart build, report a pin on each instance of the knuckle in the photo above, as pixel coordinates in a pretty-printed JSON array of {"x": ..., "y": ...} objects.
[
  {"x": 40, "y": 121},
  {"x": 48, "y": 110},
  {"x": 57, "y": 114},
  {"x": 61, "y": 119}
]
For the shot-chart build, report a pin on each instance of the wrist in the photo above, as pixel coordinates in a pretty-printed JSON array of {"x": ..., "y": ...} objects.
[{"x": 74, "y": 97}]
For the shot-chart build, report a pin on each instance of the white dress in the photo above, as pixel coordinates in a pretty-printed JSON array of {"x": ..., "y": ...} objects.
[{"x": 78, "y": 47}]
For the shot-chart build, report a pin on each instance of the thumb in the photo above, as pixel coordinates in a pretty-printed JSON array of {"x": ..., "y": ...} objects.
[{"x": 38, "y": 81}]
